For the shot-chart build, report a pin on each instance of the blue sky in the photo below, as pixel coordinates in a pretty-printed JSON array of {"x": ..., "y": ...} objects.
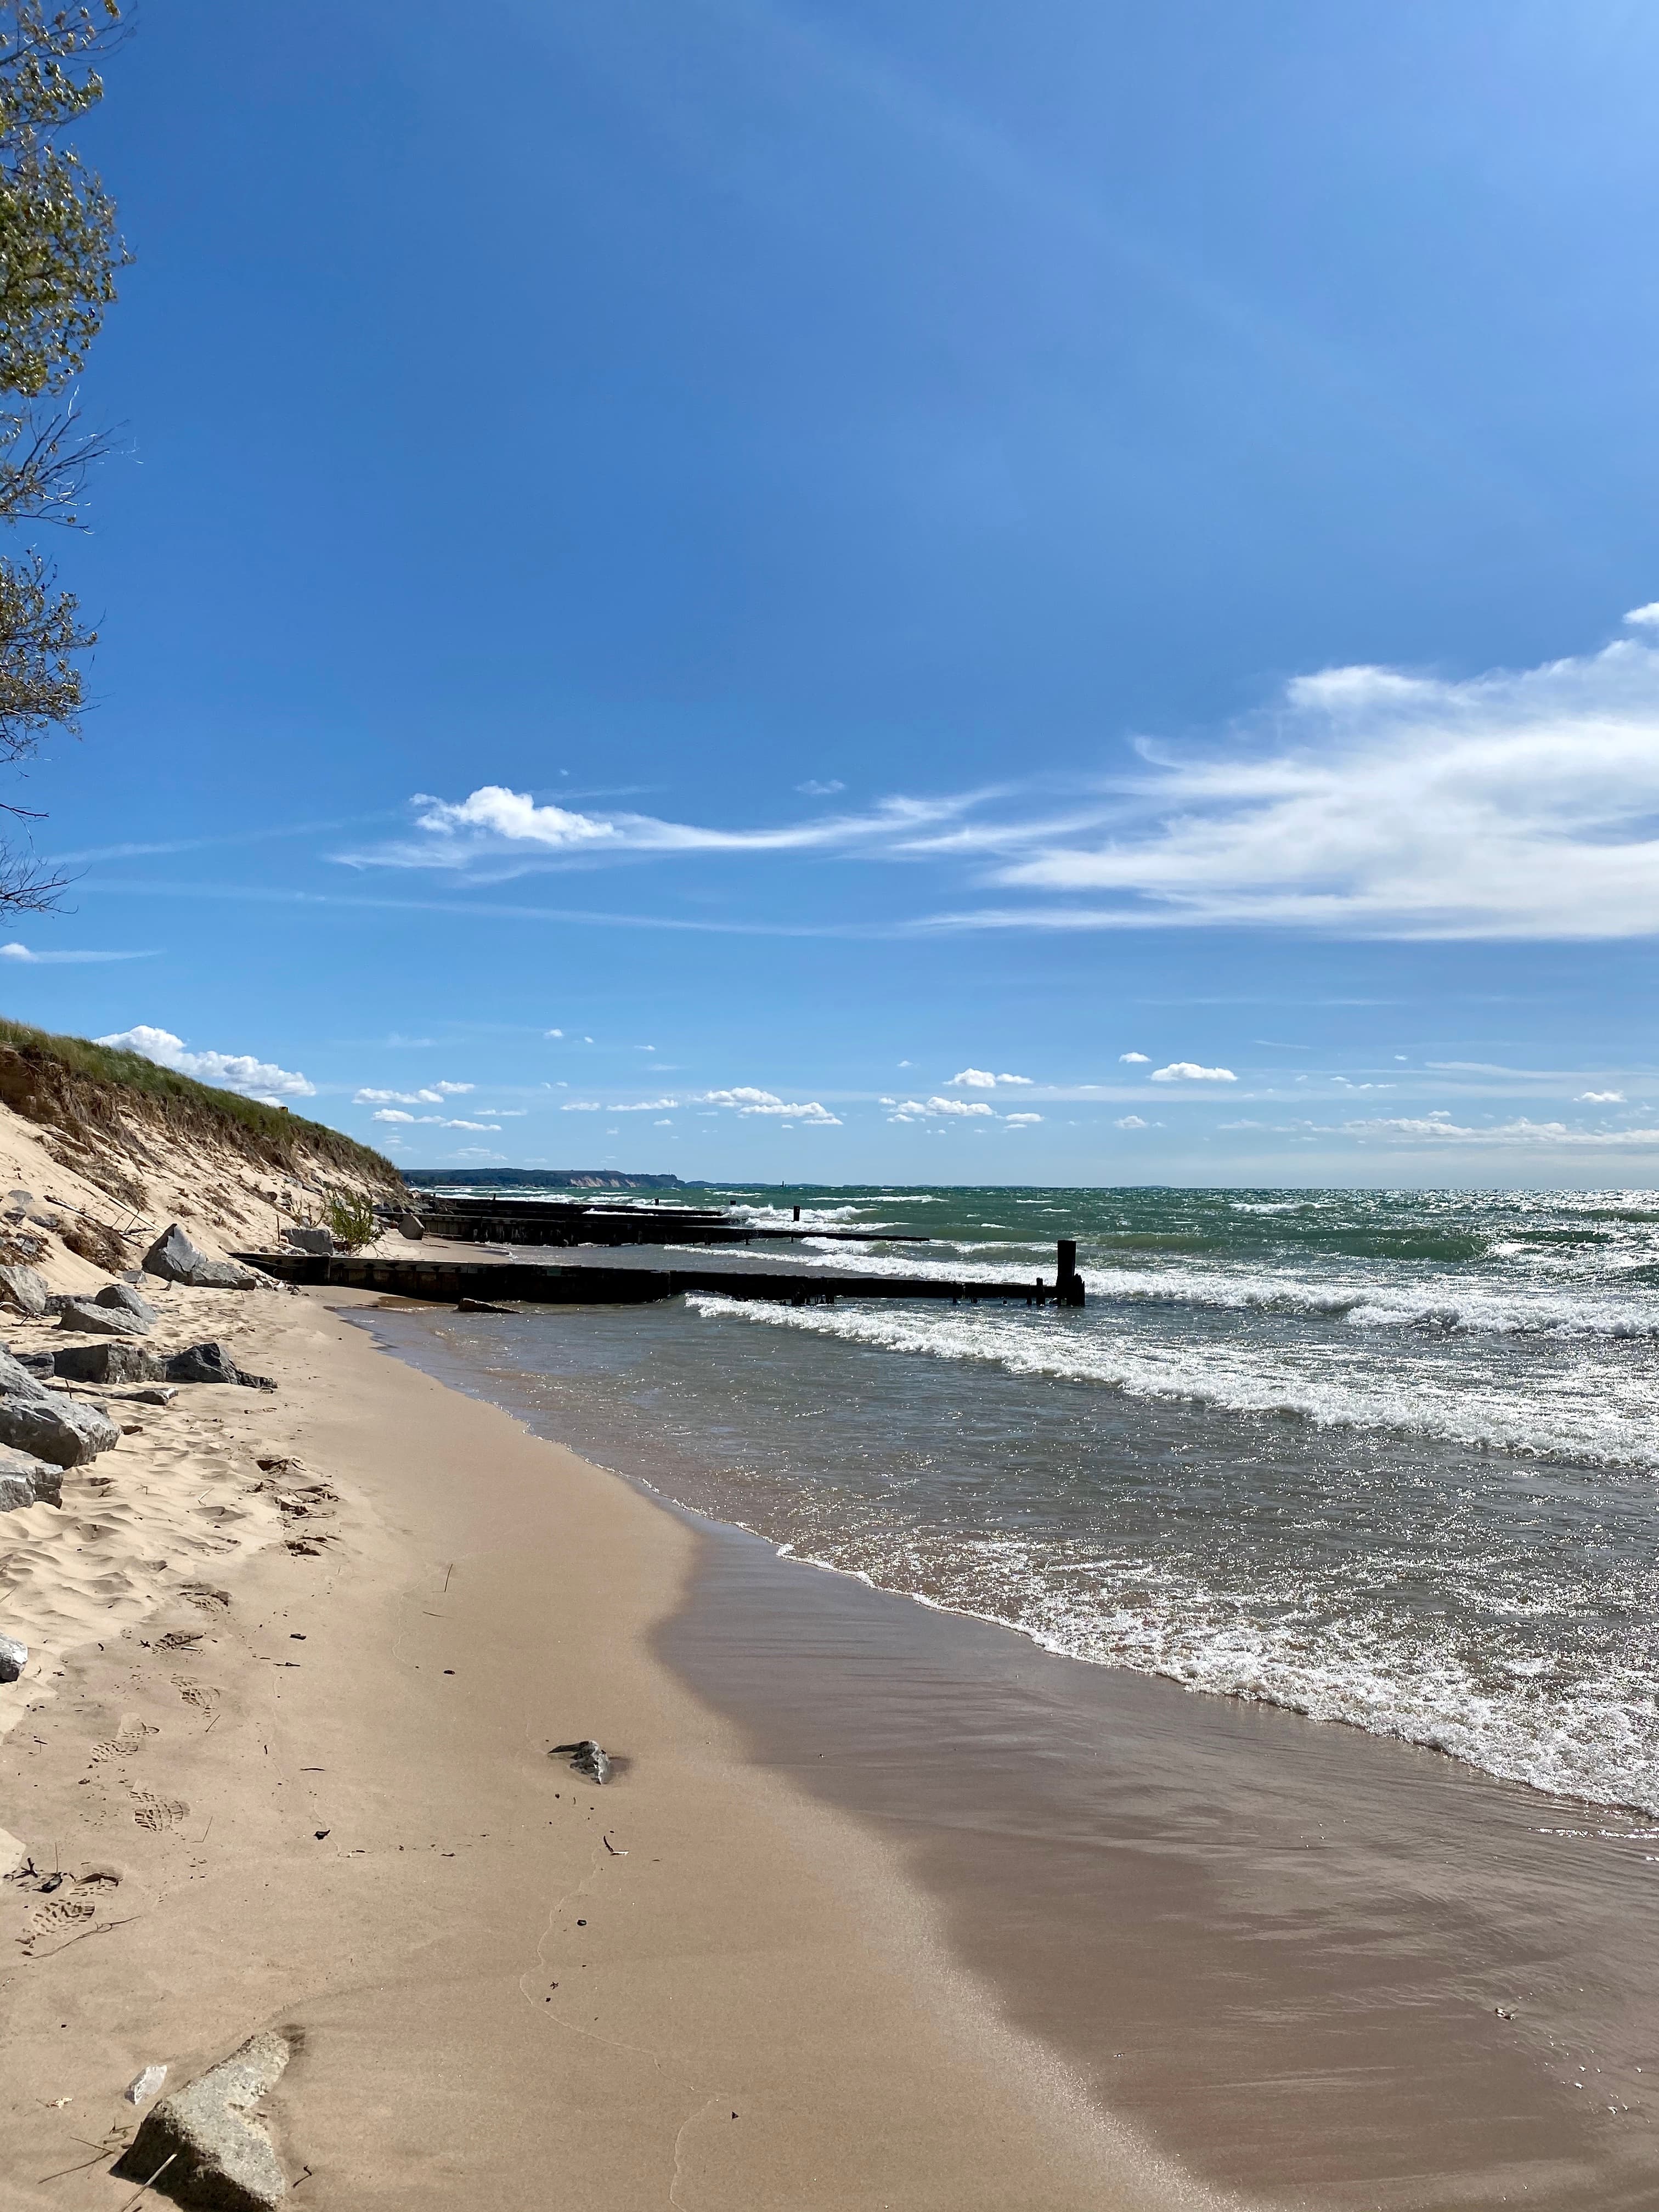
[{"x": 698, "y": 577}]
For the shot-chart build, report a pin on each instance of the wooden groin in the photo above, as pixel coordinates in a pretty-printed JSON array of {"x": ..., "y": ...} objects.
[
  {"x": 450, "y": 1281},
  {"x": 567, "y": 1223}
]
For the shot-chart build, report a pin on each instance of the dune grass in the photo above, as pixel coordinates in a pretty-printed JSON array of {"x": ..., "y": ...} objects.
[{"x": 70, "y": 1083}]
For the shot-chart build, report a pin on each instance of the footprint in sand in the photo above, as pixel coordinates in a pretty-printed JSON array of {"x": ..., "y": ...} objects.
[
  {"x": 207, "y": 1600},
  {"x": 179, "y": 1639},
  {"x": 202, "y": 1695},
  {"x": 59, "y": 1915},
  {"x": 157, "y": 1813},
  {"x": 128, "y": 1739}
]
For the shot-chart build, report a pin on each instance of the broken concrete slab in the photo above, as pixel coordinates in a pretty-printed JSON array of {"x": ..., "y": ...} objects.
[
  {"x": 24, "y": 1290},
  {"x": 88, "y": 1318},
  {"x": 206, "y": 2144},
  {"x": 176, "y": 1260},
  {"x": 112, "y": 1360},
  {"x": 125, "y": 1299},
  {"x": 26, "y": 1480},
  {"x": 211, "y": 1363}
]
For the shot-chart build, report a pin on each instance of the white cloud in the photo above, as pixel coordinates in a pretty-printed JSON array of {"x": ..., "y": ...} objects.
[
  {"x": 494, "y": 824},
  {"x": 1601, "y": 1099},
  {"x": 552, "y": 1033},
  {"x": 1133, "y": 1059},
  {"x": 1188, "y": 1071},
  {"x": 253, "y": 1078},
  {"x": 18, "y": 952},
  {"x": 581, "y": 1106},
  {"x": 746, "y": 1100},
  {"x": 1646, "y": 618},
  {"x": 436, "y": 1121},
  {"x": 1131, "y": 1121},
  {"x": 662, "y": 1125},
  {"x": 433, "y": 1095},
  {"x": 813, "y": 789},
  {"x": 981, "y": 1078},
  {"x": 644, "y": 1106},
  {"x": 919, "y": 1110},
  {"x": 1021, "y": 1120},
  {"x": 1440, "y": 1128}
]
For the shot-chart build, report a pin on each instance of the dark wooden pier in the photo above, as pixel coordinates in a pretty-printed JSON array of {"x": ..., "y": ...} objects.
[
  {"x": 568, "y": 1223},
  {"x": 490, "y": 1281}
]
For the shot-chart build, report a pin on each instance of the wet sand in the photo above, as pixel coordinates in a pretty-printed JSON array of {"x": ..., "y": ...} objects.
[
  {"x": 1314, "y": 1968},
  {"x": 289, "y": 1751}
]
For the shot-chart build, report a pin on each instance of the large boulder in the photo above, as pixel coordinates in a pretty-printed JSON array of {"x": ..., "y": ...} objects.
[
  {"x": 210, "y": 2138},
  {"x": 49, "y": 1424},
  {"x": 110, "y": 1361},
  {"x": 24, "y": 1290},
  {"x": 411, "y": 1224},
  {"x": 176, "y": 1260},
  {"x": 310, "y": 1240},
  {"x": 93, "y": 1319},
  {"x": 211, "y": 1363},
  {"x": 125, "y": 1299},
  {"x": 52, "y": 1425},
  {"x": 25, "y": 1480}
]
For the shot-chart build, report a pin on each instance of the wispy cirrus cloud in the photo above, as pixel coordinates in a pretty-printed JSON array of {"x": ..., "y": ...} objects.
[
  {"x": 1362, "y": 801},
  {"x": 26, "y": 955}
]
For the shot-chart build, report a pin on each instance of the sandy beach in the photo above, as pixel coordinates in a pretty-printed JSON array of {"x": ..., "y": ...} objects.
[{"x": 300, "y": 1661}]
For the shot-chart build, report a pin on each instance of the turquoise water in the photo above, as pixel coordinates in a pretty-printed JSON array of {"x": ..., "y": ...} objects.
[{"x": 1385, "y": 1458}]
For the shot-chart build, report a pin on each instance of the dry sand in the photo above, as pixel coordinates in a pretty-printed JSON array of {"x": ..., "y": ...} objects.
[{"x": 287, "y": 1728}]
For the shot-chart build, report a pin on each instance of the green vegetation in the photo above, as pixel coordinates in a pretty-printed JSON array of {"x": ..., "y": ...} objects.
[
  {"x": 80, "y": 1088},
  {"x": 350, "y": 1216},
  {"x": 59, "y": 255}
]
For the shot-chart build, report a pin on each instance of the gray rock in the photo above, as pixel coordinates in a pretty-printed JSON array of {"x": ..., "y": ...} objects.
[
  {"x": 24, "y": 1290},
  {"x": 60, "y": 1301},
  {"x": 52, "y": 1425},
  {"x": 176, "y": 1260},
  {"x": 125, "y": 1299},
  {"x": 15, "y": 1378},
  {"x": 110, "y": 1361},
  {"x": 211, "y": 1363},
  {"x": 207, "y": 2136},
  {"x": 310, "y": 1240},
  {"x": 162, "y": 1394},
  {"x": 27, "y": 1481},
  {"x": 38, "y": 1363},
  {"x": 13, "y": 1657},
  {"x": 93, "y": 1319},
  {"x": 411, "y": 1224}
]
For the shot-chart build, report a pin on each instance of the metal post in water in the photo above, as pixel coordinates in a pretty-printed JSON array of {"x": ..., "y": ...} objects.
[{"x": 1069, "y": 1283}]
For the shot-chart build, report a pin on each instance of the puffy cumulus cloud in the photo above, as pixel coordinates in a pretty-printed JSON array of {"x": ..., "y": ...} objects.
[
  {"x": 1439, "y": 1129},
  {"x": 230, "y": 1071},
  {"x": 981, "y": 1078},
  {"x": 1646, "y": 618},
  {"x": 1188, "y": 1071},
  {"x": 644, "y": 1106},
  {"x": 1600, "y": 1098},
  {"x": 745, "y": 1099},
  {"x": 1021, "y": 1120},
  {"x": 1135, "y": 1059},
  {"x": 433, "y": 1095},
  {"x": 1130, "y": 1121},
  {"x": 927, "y": 1109}
]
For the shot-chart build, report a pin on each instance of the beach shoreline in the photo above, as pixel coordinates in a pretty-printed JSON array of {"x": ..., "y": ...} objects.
[{"x": 274, "y": 1805}]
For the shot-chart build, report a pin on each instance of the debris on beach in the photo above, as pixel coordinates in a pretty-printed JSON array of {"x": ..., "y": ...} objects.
[
  {"x": 586, "y": 1759},
  {"x": 207, "y": 2139},
  {"x": 13, "y": 1657},
  {"x": 480, "y": 1305},
  {"x": 143, "y": 2085}
]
